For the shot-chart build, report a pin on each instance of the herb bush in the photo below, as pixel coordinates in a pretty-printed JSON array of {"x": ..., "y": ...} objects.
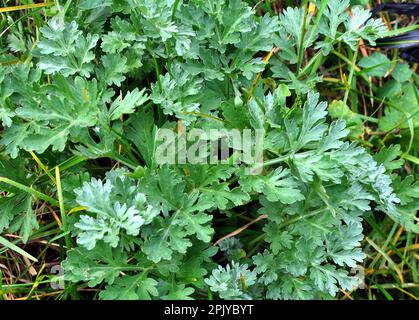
[{"x": 88, "y": 91}]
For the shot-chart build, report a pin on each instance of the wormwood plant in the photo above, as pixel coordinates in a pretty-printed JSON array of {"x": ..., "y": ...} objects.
[{"x": 105, "y": 76}]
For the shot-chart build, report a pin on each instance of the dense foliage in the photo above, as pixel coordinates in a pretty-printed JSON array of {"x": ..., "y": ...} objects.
[{"x": 103, "y": 77}]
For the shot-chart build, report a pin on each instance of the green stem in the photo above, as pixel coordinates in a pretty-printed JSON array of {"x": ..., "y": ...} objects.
[
  {"x": 303, "y": 31},
  {"x": 123, "y": 161},
  {"x": 62, "y": 209},
  {"x": 351, "y": 63},
  {"x": 268, "y": 7},
  {"x": 304, "y": 216},
  {"x": 323, "y": 6},
  {"x": 288, "y": 222},
  {"x": 312, "y": 63},
  {"x": 367, "y": 118},
  {"x": 175, "y": 6},
  {"x": 284, "y": 158},
  {"x": 351, "y": 74},
  {"x": 157, "y": 70}
]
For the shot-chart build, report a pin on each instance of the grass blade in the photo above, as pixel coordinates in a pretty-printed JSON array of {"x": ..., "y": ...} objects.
[
  {"x": 30, "y": 190},
  {"x": 15, "y": 248},
  {"x": 387, "y": 257},
  {"x": 26, "y": 6}
]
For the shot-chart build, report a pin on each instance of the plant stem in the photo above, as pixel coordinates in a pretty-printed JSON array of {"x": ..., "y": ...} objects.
[
  {"x": 175, "y": 6},
  {"x": 62, "y": 209},
  {"x": 351, "y": 74},
  {"x": 303, "y": 31},
  {"x": 290, "y": 221}
]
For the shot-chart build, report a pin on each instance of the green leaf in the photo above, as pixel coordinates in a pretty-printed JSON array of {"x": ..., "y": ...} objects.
[
  {"x": 113, "y": 220},
  {"x": 74, "y": 104},
  {"x": 338, "y": 110},
  {"x": 65, "y": 50},
  {"x": 313, "y": 126},
  {"x": 361, "y": 25},
  {"x": 344, "y": 246},
  {"x": 179, "y": 292},
  {"x": 277, "y": 238},
  {"x": 327, "y": 278},
  {"x": 220, "y": 196},
  {"x": 114, "y": 68},
  {"x": 229, "y": 282},
  {"x": 260, "y": 38},
  {"x": 104, "y": 264},
  {"x": 25, "y": 220},
  {"x": 136, "y": 287},
  {"x": 16, "y": 210},
  {"x": 127, "y": 104},
  {"x": 234, "y": 21},
  {"x": 162, "y": 244},
  {"x": 176, "y": 93},
  {"x": 402, "y": 72},
  {"x": 334, "y": 15},
  {"x": 142, "y": 132},
  {"x": 102, "y": 77},
  {"x": 387, "y": 157},
  {"x": 376, "y": 65},
  {"x": 278, "y": 185},
  {"x": 209, "y": 65}
]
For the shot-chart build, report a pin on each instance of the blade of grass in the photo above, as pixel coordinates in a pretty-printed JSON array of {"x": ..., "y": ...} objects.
[
  {"x": 268, "y": 7},
  {"x": 351, "y": 74},
  {"x": 387, "y": 257},
  {"x": 408, "y": 293},
  {"x": 392, "y": 33},
  {"x": 77, "y": 209},
  {"x": 62, "y": 209},
  {"x": 71, "y": 162},
  {"x": 410, "y": 158},
  {"x": 395, "y": 285},
  {"x": 33, "y": 12},
  {"x": 38, "y": 279},
  {"x": 303, "y": 32},
  {"x": 175, "y": 6},
  {"x": 26, "y": 7},
  {"x": 381, "y": 233},
  {"x": 15, "y": 248},
  {"x": 319, "y": 15},
  {"x": 30, "y": 190},
  {"x": 255, "y": 81},
  {"x": 67, "y": 237},
  {"x": 7, "y": 288},
  {"x": 383, "y": 291},
  {"x": 42, "y": 166},
  {"x": 407, "y": 245},
  {"x": 384, "y": 246}
]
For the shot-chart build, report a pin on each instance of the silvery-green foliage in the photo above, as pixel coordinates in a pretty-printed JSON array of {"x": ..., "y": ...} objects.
[{"x": 106, "y": 77}]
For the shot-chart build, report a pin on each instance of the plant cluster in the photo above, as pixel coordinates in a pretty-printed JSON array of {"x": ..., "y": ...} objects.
[{"x": 91, "y": 93}]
